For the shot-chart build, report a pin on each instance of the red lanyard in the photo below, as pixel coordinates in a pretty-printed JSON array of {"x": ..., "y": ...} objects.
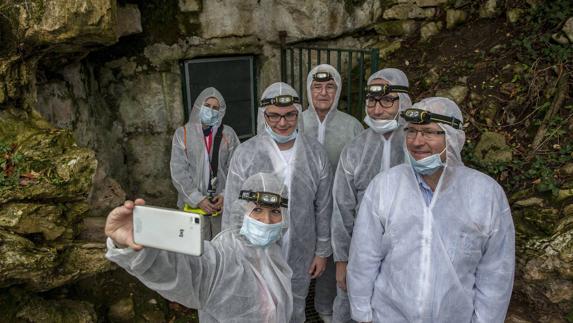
[{"x": 208, "y": 142}]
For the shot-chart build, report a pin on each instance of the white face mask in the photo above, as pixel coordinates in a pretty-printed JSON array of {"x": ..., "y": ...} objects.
[
  {"x": 259, "y": 233},
  {"x": 427, "y": 165},
  {"x": 280, "y": 139},
  {"x": 209, "y": 117},
  {"x": 382, "y": 126}
]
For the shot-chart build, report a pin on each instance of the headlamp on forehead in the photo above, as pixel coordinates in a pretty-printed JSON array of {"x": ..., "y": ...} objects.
[
  {"x": 322, "y": 76},
  {"x": 280, "y": 101},
  {"x": 418, "y": 116},
  {"x": 264, "y": 199},
  {"x": 377, "y": 90}
]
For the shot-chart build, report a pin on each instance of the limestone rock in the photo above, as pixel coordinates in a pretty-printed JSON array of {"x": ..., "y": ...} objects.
[
  {"x": 455, "y": 17},
  {"x": 55, "y": 168},
  {"x": 489, "y": 9},
  {"x": 28, "y": 218},
  {"x": 489, "y": 112},
  {"x": 93, "y": 229},
  {"x": 492, "y": 149},
  {"x": 39, "y": 310},
  {"x": 560, "y": 37},
  {"x": 430, "y": 29},
  {"x": 56, "y": 103},
  {"x": 513, "y": 15},
  {"x": 301, "y": 20},
  {"x": 77, "y": 22},
  {"x": 565, "y": 194},
  {"x": 457, "y": 93},
  {"x": 532, "y": 201},
  {"x": 430, "y": 3},
  {"x": 387, "y": 48},
  {"x": 21, "y": 261},
  {"x": 568, "y": 29},
  {"x": 190, "y": 5},
  {"x": 408, "y": 11},
  {"x": 80, "y": 260},
  {"x": 567, "y": 169},
  {"x": 128, "y": 20},
  {"x": 152, "y": 103},
  {"x": 106, "y": 194},
  {"x": 432, "y": 76},
  {"x": 19, "y": 305},
  {"x": 396, "y": 28},
  {"x": 122, "y": 310},
  {"x": 145, "y": 155},
  {"x": 568, "y": 210}
]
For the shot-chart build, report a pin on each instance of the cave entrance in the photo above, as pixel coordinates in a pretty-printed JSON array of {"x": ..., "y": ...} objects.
[
  {"x": 352, "y": 64},
  {"x": 235, "y": 78}
]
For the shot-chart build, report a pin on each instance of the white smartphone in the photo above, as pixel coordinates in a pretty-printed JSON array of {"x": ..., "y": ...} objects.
[{"x": 168, "y": 229}]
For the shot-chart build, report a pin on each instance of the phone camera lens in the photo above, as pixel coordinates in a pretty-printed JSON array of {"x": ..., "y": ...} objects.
[{"x": 197, "y": 220}]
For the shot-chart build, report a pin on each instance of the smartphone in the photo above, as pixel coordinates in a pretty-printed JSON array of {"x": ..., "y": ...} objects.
[{"x": 168, "y": 229}]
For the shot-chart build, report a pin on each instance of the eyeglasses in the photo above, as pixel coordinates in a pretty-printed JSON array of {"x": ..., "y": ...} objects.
[
  {"x": 412, "y": 133},
  {"x": 276, "y": 117},
  {"x": 386, "y": 101},
  {"x": 317, "y": 87}
]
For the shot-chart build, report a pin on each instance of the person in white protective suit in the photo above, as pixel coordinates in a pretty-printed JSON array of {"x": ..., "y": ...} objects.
[
  {"x": 200, "y": 156},
  {"x": 241, "y": 276},
  {"x": 333, "y": 129},
  {"x": 376, "y": 149},
  {"x": 300, "y": 161},
  {"x": 434, "y": 240}
]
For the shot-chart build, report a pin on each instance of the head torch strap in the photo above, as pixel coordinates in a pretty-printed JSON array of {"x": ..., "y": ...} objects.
[
  {"x": 281, "y": 101},
  {"x": 383, "y": 89},
  {"x": 264, "y": 198},
  {"x": 418, "y": 116}
]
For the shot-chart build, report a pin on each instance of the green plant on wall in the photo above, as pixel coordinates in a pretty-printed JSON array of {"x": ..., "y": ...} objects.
[{"x": 10, "y": 166}]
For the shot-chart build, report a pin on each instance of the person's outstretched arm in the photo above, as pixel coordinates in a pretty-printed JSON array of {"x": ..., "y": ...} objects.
[{"x": 180, "y": 278}]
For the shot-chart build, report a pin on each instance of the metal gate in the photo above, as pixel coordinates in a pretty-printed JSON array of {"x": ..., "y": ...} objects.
[{"x": 352, "y": 64}]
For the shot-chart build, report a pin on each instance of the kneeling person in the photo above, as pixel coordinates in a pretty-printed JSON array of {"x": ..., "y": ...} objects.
[{"x": 241, "y": 276}]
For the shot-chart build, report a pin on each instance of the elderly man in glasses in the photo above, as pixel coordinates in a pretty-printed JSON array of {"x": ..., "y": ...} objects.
[
  {"x": 434, "y": 239},
  {"x": 376, "y": 149},
  {"x": 333, "y": 129},
  {"x": 301, "y": 163}
]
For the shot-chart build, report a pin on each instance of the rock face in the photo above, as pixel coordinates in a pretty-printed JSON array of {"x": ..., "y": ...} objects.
[{"x": 46, "y": 181}]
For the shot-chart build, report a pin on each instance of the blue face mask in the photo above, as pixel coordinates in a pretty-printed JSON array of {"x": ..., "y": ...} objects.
[
  {"x": 259, "y": 233},
  {"x": 428, "y": 165},
  {"x": 279, "y": 138},
  {"x": 209, "y": 117}
]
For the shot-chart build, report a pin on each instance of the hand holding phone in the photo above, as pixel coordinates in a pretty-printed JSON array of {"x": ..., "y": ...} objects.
[
  {"x": 119, "y": 224},
  {"x": 168, "y": 229}
]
